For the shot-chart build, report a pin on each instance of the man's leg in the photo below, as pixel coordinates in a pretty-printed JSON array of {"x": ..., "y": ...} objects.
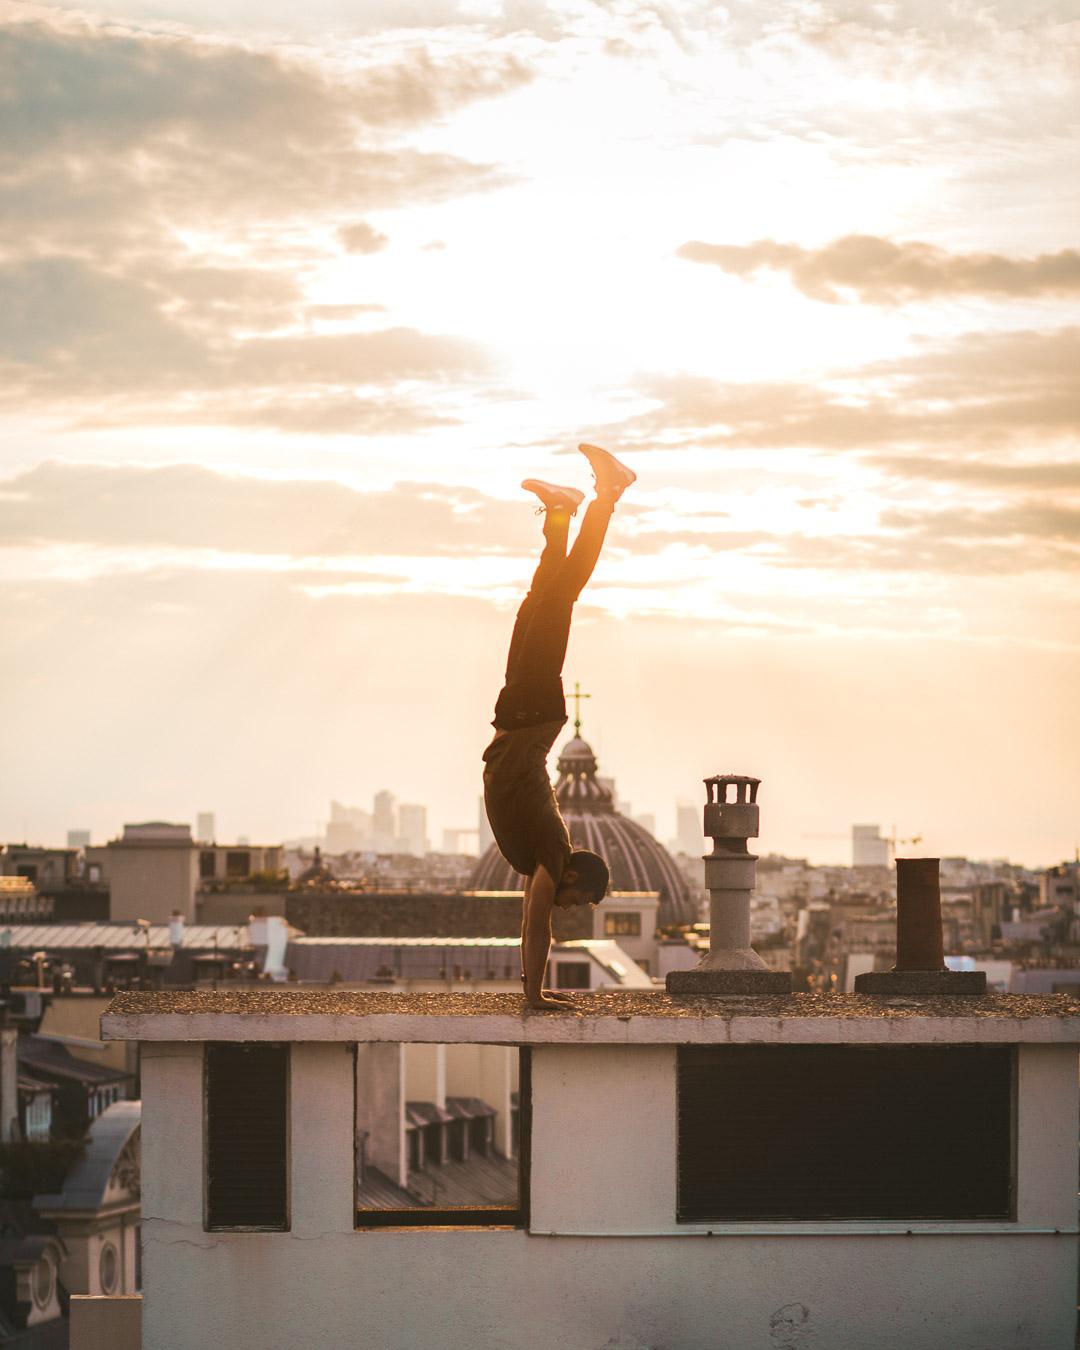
[
  {"x": 533, "y": 688},
  {"x": 582, "y": 558},
  {"x": 541, "y": 640},
  {"x": 552, "y": 560}
]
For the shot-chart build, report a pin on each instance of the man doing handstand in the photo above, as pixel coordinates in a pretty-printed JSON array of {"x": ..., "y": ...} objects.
[{"x": 531, "y": 710}]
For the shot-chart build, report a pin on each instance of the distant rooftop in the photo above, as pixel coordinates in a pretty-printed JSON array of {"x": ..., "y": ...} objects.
[
  {"x": 156, "y": 832},
  {"x": 59, "y": 937},
  {"x": 593, "y": 1018}
]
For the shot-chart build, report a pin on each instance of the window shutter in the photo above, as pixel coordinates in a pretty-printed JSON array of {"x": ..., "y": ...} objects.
[
  {"x": 246, "y": 1136},
  {"x": 845, "y": 1132}
]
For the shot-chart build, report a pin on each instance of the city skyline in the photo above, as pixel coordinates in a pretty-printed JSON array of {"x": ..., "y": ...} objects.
[
  {"x": 885, "y": 844},
  {"x": 293, "y": 299}
]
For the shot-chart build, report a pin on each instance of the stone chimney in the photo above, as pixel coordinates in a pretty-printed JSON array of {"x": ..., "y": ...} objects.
[
  {"x": 920, "y": 960},
  {"x": 731, "y": 965}
]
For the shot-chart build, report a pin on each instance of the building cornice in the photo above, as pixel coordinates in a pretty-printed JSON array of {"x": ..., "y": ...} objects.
[{"x": 616, "y": 1018}]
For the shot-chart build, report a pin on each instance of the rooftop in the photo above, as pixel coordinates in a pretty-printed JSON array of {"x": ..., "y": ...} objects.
[
  {"x": 120, "y": 936},
  {"x": 620, "y": 1017}
]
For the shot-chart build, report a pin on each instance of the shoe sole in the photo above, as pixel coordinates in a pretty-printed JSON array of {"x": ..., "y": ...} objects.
[
  {"x": 552, "y": 495},
  {"x": 625, "y": 475}
]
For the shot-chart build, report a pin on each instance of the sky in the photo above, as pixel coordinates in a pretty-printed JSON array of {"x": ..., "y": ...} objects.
[{"x": 292, "y": 298}]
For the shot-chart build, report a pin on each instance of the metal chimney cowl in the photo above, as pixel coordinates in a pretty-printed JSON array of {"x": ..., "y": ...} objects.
[{"x": 731, "y": 966}]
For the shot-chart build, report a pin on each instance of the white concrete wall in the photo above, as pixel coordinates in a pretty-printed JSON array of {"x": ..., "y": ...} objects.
[
  {"x": 380, "y": 1107},
  {"x": 489, "y": 1072},
  {"x": 603, "y": 1153},
  {"x": 425, "y": 1074},
  {"x": 1048, "y": 1122},
  {"x": 584, "y": 1180}
]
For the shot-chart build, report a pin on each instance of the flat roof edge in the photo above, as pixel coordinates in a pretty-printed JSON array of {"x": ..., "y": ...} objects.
[{"x": 539, "y": 1028}]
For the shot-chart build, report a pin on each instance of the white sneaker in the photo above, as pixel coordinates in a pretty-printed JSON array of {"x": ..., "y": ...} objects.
[
  {"x": 554, "y": 497},
  {"x": 612, "y": 476}
]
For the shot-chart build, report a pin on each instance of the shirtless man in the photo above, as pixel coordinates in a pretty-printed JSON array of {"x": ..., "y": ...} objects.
[{"x": 530, "y": 712}]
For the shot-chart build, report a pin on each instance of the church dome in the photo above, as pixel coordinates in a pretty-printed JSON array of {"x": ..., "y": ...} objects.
[{"x": 636, "y": 860}]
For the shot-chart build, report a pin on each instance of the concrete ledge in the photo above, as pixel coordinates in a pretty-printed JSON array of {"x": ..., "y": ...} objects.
[
  {"x": 720, "y": 983},
  {"x": 105, "y": 1322},
  {"x": 593, "y": 1019},
  {"x": 917, "y": 982}
]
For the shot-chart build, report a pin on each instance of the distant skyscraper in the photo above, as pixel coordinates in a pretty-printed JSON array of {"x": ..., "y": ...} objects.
[
  {"x": 868, "y": 848},
  {"x": 205, "y": 829},
  {"x": 78, "y": 838},
  {"x": 412, "y": 828},
  {"x": 349, "y": 829},
  {"x": 384, "y": 821},
  {"x": 689, "y": 836},
  {"x": 452, "y": 840},
  {"x": 647, "y": 821}
]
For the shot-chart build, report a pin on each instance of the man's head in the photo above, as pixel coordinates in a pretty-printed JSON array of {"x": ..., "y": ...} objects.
[{"x": 584, "y": 880}]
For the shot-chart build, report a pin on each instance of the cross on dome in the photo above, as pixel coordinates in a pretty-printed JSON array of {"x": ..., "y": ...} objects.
[{"x": 577, "y": 696}]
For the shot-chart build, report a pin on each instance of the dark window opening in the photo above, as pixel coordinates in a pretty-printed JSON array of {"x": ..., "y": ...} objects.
[
  {"x": 247, "y": 1096},
  {"x": 207, "y": 865},
  {"x": 622, "y": 925},
  {"x": 237, "y": 862},
  {"x": 572, "y": 975},
  {"x": 845, "y": 1132},
  {"x": 460, "y": 1160}
]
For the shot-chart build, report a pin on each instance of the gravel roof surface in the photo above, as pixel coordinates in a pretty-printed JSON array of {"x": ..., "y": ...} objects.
[{"x": 361, "y": 1003}]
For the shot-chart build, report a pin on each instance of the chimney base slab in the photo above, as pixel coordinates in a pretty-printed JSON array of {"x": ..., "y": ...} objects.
[
  {"x": 921, "y": 982},
  {"x": 717, "y": 983}
]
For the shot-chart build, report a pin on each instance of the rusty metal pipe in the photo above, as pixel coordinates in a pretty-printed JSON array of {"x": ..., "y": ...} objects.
[{"x": 918, "y": 915}]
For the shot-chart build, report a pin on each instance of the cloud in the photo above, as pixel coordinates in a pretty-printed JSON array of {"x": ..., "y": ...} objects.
[
  {"x": 1036, "y": 520},
  {"x": 83, "y": 88},
  {"x": 937, "y": 557},
  {"x": 87, "y": 340},
  {"x": 316, "y": 413},
  {"x": 881, "y": 272},
  {"x": 1026, "y": 536},
  {"x": 980, "y": 390},
  {"x": 112, "y": 137},
  {"x": 341, "y": 312},
  {"x": 142, "y": 177},
  {"x": 362, "y": 238},
  {"x": 189, "y": 507},
  {"x": 981, "y": 473}
]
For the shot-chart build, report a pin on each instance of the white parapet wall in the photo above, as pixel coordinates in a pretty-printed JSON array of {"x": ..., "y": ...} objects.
[{"x": 603, "y": 1261}]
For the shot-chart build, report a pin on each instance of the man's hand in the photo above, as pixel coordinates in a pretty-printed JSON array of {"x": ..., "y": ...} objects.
[{"x": 545, "y": 1001}]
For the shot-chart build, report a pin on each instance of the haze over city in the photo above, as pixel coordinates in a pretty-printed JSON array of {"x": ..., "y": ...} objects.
[{"x": 292, "y": 299}]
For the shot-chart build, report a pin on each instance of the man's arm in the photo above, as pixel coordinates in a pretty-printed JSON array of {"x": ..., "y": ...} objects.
[{"x": 536, "y": 938}]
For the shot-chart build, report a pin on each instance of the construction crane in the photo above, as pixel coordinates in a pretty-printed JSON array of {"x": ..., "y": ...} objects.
[{"x": 893, "y": 840}]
